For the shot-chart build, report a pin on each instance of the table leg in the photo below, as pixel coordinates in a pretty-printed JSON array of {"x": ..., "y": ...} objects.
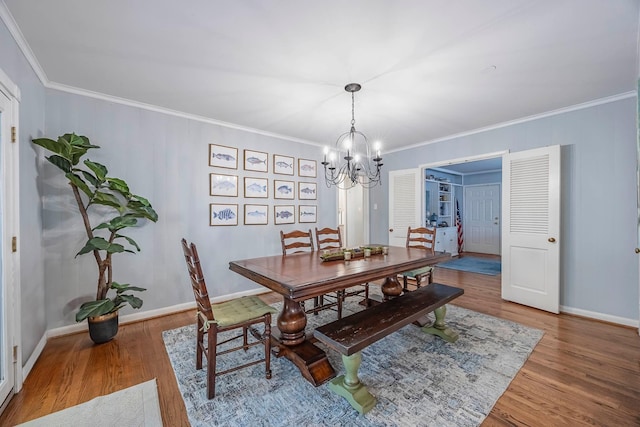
[
  {"x": 291, "y": 322},
  {"x": 391, "y": 287},
  {"x": 292, "y": 343},
  {"x": 439, "y": 328}
]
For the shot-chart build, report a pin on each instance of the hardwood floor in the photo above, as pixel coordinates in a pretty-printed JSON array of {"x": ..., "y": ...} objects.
[{"x": 583, "y": 372}]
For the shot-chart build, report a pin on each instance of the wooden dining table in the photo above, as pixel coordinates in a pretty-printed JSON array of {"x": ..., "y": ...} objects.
[{"x": 301, "y": 276}]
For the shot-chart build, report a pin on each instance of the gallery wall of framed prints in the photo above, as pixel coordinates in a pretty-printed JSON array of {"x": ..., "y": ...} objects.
[{"x": 262, "y": 195}]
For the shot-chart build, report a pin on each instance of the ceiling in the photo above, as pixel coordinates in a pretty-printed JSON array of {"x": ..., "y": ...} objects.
[{"x": 429, "y": 69}]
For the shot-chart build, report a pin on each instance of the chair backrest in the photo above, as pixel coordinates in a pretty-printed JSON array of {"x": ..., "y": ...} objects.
[
  {"x": 197, "y": 279},
  {"x": 296, "y": 241},
  {"x": 328, "y": 238},
  {"x": 422, "y": 238}
]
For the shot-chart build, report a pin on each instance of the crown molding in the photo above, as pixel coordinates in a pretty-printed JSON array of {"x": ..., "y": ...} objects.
[{"x": 588, "y": 104}]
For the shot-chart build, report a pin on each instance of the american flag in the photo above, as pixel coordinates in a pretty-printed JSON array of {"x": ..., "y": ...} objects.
[{"x": 459, "y": 225}]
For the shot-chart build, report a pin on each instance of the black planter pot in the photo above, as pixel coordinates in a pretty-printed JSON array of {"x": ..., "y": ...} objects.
[{"x": 103, "y": 328}]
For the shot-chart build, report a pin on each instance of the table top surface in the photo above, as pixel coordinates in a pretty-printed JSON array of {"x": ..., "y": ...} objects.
[{"x": 304, "y": 275}]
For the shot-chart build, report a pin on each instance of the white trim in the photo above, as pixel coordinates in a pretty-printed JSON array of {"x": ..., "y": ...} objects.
[
  {"x": 150, "y": 314},
  {"x": 484, "y": 156},
  {"x": 8, "y": 87},
  {"x": 14, "y": 29},
  {"x": 26, "y": 369},
  {"x": 600, "y": 316},
  {"x": 588, "y": 104}
]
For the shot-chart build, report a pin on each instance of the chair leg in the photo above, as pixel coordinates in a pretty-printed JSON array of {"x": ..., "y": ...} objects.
[
  {"x": 418, "y": 280},
  {"x": 340, "y": 297},
  {"x": 267, "y": 345},
  {"x": 212, "y": 335},
  {"x": 199, "y": 345},
  {"x": 405, "y": 288},
  {"x": 430, "y": 279},
  {"x": 245, "y": 341},
  {"x": 366, "y": 294}
]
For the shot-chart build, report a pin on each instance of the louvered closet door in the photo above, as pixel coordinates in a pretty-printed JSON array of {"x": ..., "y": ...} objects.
[
  {"x": 404, "y": 204},
  {"x": 531, "y": 228}
]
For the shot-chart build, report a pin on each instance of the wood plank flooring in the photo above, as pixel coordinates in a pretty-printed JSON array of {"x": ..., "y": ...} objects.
[{"x": 583, "y": 372}]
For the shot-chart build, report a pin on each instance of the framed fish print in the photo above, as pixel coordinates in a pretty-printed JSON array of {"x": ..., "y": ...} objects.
[
  {"x": 256, "y": 214},
  {"x": 283, "y": 165},
  {"x": 255, "y": 187},
  {"x": 307, "y": 168},
  {"x": 223, "y": 185},
  {"x": 223, "y": 157},
  {"x": 284, "y": 214},
  {"x": 255, "y": 161},
  {"x": 284, "y": 189},
  {"x": 220, "y": 214},
  {"x": 307, "y": 190},
  {"x": 307, "y": 213}
]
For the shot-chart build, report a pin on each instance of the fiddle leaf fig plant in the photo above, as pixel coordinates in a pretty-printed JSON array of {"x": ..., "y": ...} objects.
[{"x": 92, "y": 187}]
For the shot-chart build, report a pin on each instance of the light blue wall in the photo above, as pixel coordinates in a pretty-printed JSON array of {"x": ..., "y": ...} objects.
[
  {"x": 483, "y": 178},
  {"x": 599, "y": 269},
  {"x": 30, "y": 244},
  {"x": 165, "y": 159}
]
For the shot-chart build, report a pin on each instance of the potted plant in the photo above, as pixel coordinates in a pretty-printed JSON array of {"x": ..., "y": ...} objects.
[{"x": 118, "y": 209}]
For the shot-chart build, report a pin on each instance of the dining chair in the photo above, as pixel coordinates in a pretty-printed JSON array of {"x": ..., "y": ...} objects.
[
  {"x": 302, "y": 241},
  {"x": 329, "y": 239},
  {"x": 420, "y": 238},
  {"x": 213, "y": 319}
]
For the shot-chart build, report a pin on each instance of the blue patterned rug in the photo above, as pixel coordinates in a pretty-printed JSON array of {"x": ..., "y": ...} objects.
[
  {"x": 418, "y": 379},
  {"x": 473, "y": 265}
]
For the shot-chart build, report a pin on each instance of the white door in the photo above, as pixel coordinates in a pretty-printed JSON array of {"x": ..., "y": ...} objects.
[
  {"x": 531, "y": 228},
  {"x": 353, "y": 216},
  {"x": 7, "y": 202},
  {"x": 404, "y": 204},
  {"x": 482, "y": 219}
]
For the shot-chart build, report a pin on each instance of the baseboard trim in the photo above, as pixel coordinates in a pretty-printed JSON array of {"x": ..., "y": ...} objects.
[
  {"x": 600, "y": 316},
  {"x": 34, "y": 357},
  {"x": 150, "y": 314}
]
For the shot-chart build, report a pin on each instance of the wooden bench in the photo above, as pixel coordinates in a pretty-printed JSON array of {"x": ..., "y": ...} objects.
[{"x": 353, "y": 333}]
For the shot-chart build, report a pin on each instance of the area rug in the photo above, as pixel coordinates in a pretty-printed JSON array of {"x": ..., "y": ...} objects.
[
  {"x": 135, "y": 406},
  {"x": 473, "y": 265},
  {"x": 418, "y": 379}
]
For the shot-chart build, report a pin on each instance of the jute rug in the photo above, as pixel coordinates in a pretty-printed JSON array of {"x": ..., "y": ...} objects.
[
  {"x": 135, "y": 406},
  {"x": 418, "y": 379}
]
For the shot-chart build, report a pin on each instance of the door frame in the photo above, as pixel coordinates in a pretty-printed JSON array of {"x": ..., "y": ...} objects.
[{"x": 10, "y": 228}]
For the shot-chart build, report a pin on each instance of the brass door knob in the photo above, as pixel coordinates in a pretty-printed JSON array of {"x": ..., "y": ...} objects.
[
  {"x": 638, "y": 250},
  {"x": 391, "y": 230},
  {"x": 551, "y": 240}
]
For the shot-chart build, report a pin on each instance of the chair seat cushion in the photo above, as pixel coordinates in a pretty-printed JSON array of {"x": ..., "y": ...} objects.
[
  {"x": 417, "y": 272},
  {"x": 240, "y": 310}
]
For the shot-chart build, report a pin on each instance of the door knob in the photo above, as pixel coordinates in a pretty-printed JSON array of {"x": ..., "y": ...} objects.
[
  {"x": 391, "y": 230},
  {"x": 638, "y": 250},
  {"x": 551, "y": 239}
]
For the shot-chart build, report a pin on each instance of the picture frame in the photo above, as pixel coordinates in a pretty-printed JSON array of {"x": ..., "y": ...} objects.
[
  {"x": 221, "y": 156},
  {"x": 284, "y": 214},
  {"x": 256, "y": 214},
  {"x": 255, "y": 161},
  {"x": 223, "y": 214},
  {"x": 307, "y": 213},
  {"x": 283, "y": 165},
  {"x": 284, "y": 189},
  {"x": 256, "y": 188},
  {"x": 307, "y": 168},
  {"x": 307, "y": 191},
  {"x": 223, "y": 185}
]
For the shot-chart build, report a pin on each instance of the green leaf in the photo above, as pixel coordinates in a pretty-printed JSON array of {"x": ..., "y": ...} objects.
[
  {"x": 92, "y": 179},
  {"x": 106, "y": 199},
  {"x": 86, "y": 249},
  {"x": 118, "y": 185},
  {"x": 59, "y": 147},
  {"x": 98, "y": 169},
  {"x": 79, "y": 182},
  {"x": 130, "y": 240},
  {"x": 141, "y": 199},
  {"x": 134, "y": 302},
  {"x": 60, "y": 162},
  {"x": 95, "y": 308}
]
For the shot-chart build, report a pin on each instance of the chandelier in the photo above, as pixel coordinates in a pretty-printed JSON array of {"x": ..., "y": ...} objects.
[{"x": 352, "y": 161}]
